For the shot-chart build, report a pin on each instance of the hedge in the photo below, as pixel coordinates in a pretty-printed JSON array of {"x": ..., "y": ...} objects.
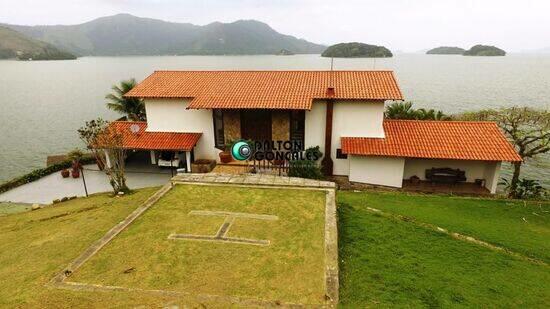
[{"x": 41, "y": 172}]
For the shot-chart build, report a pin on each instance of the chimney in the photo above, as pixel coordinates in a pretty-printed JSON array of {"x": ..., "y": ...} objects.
[{"x": 330, "y": 92}]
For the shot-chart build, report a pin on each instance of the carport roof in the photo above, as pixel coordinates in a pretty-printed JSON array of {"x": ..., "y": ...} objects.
[
  {"x": 460, "y": 140},
  {"x": 136, "y": 136}
]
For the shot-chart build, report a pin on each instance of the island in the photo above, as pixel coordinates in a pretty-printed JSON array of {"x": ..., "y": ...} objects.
[
  {"x": 484, "y": 50},
  {"x": 446, "y": 50},
  {"x": 356, "y": 50},
  {"x": 285, "y": 52},
  {"x": 14, "y": 45}
]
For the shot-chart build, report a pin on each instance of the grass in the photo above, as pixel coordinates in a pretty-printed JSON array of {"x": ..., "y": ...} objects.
[
  {"x": 290, "y": 269},
  {"x": 36, "y": 245},
  {"x": 516, "y": 225},
  {"x": 385, "y": 262},
  {"x": 391, "y": 263},
  {"x": 7, "y": 208}
]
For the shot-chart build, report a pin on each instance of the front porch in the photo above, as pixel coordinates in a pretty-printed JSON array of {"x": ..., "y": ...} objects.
[{"x": 257, "y": 125}]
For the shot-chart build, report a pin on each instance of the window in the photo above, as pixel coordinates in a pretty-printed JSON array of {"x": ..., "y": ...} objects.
[
  {"x": 219, "y": 137},
  {"x": 297, "y": 126},
  {"x": 340, "y": 155}
]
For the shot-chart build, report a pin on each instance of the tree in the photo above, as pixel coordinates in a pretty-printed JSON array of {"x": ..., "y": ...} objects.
[
  {"x": 111, "y": 140},
  {"x": 431, "y": 114},
  {"x": 133, "y": 108},
  {"x": 400, "y": 110},
  {"x": 405, "y": 110},
  {"x": 89, "y": 134},
  {"x": 528, "y": 129}
]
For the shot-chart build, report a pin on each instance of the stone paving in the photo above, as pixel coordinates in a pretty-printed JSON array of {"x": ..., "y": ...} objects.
[{"x": 253, "y": 179}]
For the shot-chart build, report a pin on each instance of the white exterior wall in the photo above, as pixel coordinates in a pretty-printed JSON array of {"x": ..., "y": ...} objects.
[
  {"x": 385, "y": 171},
  {"x": 354, "y": 119},
  {"x": 487, "y": 170},
  {"x": 315, "y": 125},
  {"x": 350, "y": 118},
  {"x": 171, "y": 115},
  {"x": 492, "y": 174}
]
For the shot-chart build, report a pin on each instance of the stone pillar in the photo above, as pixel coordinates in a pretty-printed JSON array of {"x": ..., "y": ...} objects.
[
  {"x": 280, "y": 125},
  {"x": 231, "y": 125}
]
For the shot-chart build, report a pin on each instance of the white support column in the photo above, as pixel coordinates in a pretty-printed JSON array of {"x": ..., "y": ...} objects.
[
  {"x": 492, "y": 175},
  {"x": 153, "y": 157},
  {"x": 188, "y": 161},
  {"x": 107, "y": 158}
]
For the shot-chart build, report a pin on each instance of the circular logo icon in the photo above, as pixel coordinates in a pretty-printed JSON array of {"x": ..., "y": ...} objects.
[{"x": 241, "y": 151}]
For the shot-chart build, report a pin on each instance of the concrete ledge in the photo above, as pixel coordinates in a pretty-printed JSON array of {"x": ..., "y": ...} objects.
[{"x": 253, "y": 179}]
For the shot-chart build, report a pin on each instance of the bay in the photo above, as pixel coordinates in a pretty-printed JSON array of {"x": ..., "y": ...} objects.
[{"x": 43, "y": 103}]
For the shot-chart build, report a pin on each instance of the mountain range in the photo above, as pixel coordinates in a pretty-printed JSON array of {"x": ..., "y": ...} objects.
[
  {"x": 16, "y": 45},
  {"x": 125, "y": 34}
]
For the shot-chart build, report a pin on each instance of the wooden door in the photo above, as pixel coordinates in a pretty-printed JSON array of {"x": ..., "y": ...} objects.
[{"x": 256, "y": 124}]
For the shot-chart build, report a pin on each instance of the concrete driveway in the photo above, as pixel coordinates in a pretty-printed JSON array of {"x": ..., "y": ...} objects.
[{"x": 51, "y": 187}]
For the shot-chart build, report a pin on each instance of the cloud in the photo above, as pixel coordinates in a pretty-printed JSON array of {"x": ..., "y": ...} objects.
[{"x": 398, "y": 24}]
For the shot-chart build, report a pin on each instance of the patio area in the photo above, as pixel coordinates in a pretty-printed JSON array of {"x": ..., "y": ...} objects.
[
  {"x": 461, "y": 188},
  {"x": 140, "y": 173}
]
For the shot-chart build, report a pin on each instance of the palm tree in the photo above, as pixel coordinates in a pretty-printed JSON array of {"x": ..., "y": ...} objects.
[
  {"x": 430, "y": 114},
  {"x": 405, "y": 110},
  {"x": 400, "y": 110},
  {"x": 133, "y": 108}
]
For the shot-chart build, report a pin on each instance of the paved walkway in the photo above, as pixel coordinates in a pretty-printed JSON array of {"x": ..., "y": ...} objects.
[
  {"x": 253, "y": 179},
  {"x": 51, "y": 187}
]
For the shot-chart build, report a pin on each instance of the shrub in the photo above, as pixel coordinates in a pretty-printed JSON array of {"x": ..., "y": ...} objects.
[
  {"x": 527, "y": 189},
  {"x": 307, "y": 168}
]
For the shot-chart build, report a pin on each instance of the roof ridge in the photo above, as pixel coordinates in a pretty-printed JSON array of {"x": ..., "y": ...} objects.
[
  {"x": 256, "y": 71},
  {"x": 440, "y": 121},
  {"x": 128, "y": 121}
]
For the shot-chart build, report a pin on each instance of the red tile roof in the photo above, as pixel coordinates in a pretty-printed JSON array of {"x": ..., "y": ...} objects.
[
  {"x": 144, "y": 140},
  {"x": 462, "y": 140},
  {"x": 266, "y": 89}
]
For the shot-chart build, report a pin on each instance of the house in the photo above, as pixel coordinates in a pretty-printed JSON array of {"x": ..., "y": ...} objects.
[{"x": 198, "y": 112}]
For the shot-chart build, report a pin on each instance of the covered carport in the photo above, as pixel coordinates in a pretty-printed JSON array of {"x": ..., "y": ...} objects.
[{"x": 135, "y": 137}]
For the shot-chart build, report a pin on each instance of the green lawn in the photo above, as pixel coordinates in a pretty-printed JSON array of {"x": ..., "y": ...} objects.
[
  {"x": 388, "y": 262},
  {"x": 35, "y": 245},
  {"x": 7, "y": 208},
  {"x": 385, "y": 262},
  {"x": 519, "y": 226},
  {"x": 290, "y": 269}
]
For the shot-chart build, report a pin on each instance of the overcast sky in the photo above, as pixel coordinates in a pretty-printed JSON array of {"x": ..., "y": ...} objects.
[{"x": 398, "y": 24}]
